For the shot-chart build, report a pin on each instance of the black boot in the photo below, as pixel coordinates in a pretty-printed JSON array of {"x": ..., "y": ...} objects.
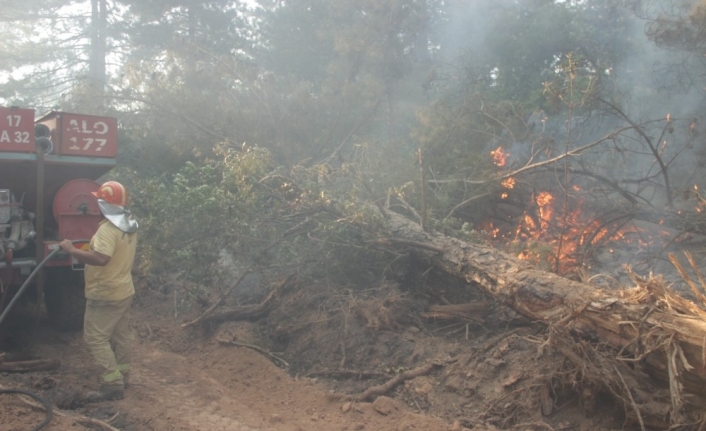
[{"x": 108, "y": 392}]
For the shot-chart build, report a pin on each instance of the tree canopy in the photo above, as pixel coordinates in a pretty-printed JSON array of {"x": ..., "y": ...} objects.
[{"x": 462, "y": 113}]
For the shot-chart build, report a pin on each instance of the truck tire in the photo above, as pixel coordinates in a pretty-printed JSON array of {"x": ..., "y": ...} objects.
[{"x": 64, "y": 298}]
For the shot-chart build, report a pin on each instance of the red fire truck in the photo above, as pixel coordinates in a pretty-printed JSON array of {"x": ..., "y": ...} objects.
[{"x": 48, "y": 169}]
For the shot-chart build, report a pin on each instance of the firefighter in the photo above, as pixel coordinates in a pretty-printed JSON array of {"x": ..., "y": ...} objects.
[{"x": 109, "y": 289}]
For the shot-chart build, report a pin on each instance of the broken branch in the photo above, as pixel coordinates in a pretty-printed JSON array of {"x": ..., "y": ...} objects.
[
  {"x": 276, "y": 359},
  {"x": 28, "y": 366},
  {"x": 387, "y": 386}
]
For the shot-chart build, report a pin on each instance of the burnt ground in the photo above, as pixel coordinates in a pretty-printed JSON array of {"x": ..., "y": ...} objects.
[{"x": 493, "y": 369}]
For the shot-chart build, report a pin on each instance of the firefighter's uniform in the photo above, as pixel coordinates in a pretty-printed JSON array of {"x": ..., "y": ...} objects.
[{"x": 109, "y": 293}]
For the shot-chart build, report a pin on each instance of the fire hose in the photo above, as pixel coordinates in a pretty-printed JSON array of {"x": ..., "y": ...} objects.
[
  {"x": 31, "y": 277},
  {"x": 47, "y": 405},
  {"x": 24, "y": 286}
]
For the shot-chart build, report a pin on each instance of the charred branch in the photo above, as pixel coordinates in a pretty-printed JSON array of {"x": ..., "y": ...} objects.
[{"x": 650, "y": 144}]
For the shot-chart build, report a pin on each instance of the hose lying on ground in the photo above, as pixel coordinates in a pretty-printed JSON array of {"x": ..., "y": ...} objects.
[{"x": 47, "y": 404}]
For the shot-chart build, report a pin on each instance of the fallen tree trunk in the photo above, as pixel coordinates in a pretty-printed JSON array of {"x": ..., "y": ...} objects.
[{"x": 649, "y": 329}]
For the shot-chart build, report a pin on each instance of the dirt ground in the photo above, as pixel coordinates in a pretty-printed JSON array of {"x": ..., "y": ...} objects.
[{"x": 484, "y": 372}]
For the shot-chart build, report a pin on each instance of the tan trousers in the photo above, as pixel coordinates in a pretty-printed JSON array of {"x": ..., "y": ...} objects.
[{"x": 106, "y": 331}]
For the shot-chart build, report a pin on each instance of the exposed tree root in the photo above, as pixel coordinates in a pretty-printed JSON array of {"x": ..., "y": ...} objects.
[
  {"x": 390, "y": 384},
  {"x": 536, "y": 425},
  {"x": 276, "y": 359},
  {"x": 348, "y": 374},
  {"x": 222, "y": 298},
  {"x": 250, "y": 312},
  {"x": 227, "y": 292}
]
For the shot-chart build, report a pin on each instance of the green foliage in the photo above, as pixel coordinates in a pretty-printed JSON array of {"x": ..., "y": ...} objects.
[
  {"x": 219, "y": 214},
  {"x": 331, "y": 103},
  {"x": 38, "y": 65},
  {"x": 575, "y": 85},
  {"x": 456, "y": 135},
  {"x": 456, "y": 228},
  {"x": 216, "y": 25},
  {"x": 200, "y": 212},
  {"x": 679, "y": 25}
]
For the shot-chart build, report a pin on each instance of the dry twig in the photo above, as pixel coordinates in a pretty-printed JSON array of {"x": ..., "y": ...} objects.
[
  {"x": 296, "y": 229},
  {"x": 542, "y": 425},
  {"x": 387, "y": 386},
  {"x": 700, "y": 296},
  {"x": 696, "y": 269},
  {"x": 471, "y": 311},
  {"x": 277, "y": 359},
  {"x": 223, "y": 296},
  {"x": 632, "y": 400}
]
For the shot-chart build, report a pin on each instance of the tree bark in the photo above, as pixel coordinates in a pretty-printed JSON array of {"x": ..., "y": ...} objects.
[
  {"x": 98, "y": 50},
  {"x": 650, "y": 330}
]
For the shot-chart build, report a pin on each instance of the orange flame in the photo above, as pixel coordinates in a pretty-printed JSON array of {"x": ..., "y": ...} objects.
[
  {"x": 491, "y": 229},
  {"x": 544, "y": 199},
  {"x": 508, "y": 183},
  {"x": 499, "y": 156},
  {"x": 546, "y": 210},
  {"x": 560, "y": 241},
  {"x": 556, "y": 233}
]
